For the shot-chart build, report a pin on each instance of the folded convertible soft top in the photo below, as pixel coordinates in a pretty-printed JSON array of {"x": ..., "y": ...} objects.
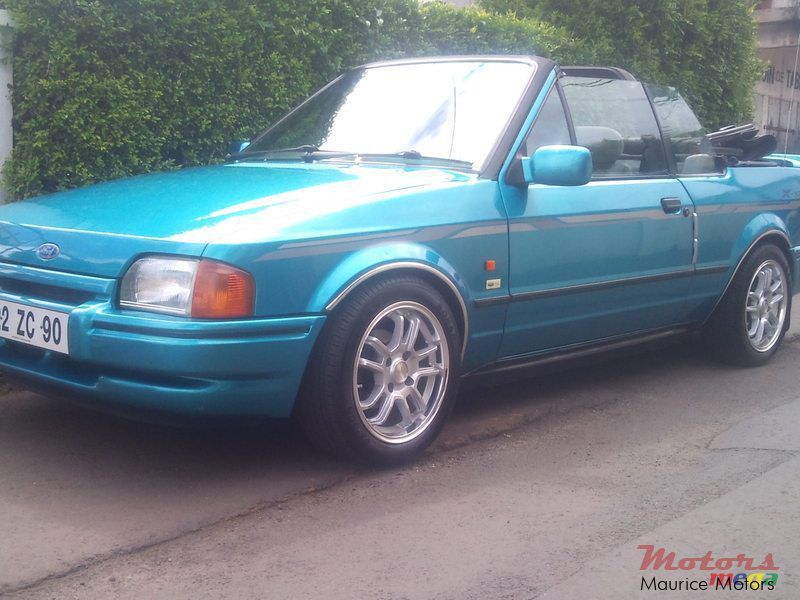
[{"x": 742, "y": 143}]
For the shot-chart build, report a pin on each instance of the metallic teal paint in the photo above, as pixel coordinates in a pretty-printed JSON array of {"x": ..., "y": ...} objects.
[
  {"x": 558, "y": 165},
  {"x": 101, "y": 228},
  {"x": 792, "y": 159},
  {"x": 450, "y": 221},
  {"x": 158, "y": 362},
  {"x": 734, "y": 210},
  {"x": 605, "y": 231},
  {"x": 307, "y": 232},
  {"x": 290, "y": 225}
]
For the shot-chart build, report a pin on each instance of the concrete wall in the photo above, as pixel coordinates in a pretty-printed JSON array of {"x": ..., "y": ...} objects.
[
  {"x": 6, "y": 133},
  {"x": 777, "y": 100}
]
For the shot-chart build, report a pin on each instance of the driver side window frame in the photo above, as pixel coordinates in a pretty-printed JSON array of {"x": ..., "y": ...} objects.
[
  {"x": 720, "y": 170},
  {"x": 555, "y": 90},
  {"x": 669, "y": 171},
  {"x": 514, "y": 175}
]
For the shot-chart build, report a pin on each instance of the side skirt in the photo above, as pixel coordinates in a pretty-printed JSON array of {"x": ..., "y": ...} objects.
[{"x": 579, "y": 353}]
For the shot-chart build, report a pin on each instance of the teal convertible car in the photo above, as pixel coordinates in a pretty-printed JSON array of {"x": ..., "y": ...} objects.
[{"x": 412, "y": 223}]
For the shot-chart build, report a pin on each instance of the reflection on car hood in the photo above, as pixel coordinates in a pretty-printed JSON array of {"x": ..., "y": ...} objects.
[{"x": 99, "y": 228}]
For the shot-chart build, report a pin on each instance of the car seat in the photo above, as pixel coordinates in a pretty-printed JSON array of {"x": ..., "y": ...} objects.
[{"x": 605, "y": 144}]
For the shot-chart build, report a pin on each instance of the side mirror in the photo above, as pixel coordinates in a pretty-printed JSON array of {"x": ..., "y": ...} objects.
[
  {"x": 238, "y": 146},
  {"x": 558, "y": 165}
]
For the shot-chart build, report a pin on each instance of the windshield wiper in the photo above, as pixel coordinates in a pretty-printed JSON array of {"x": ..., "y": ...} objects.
[
  {"x": 306, "y": 152},
  {"x": 415, "y": 155},
  {"x": 311, "y": 153}
]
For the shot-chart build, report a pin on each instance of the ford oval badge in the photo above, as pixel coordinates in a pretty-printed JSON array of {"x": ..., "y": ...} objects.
[{"x": 48, "y": 251}]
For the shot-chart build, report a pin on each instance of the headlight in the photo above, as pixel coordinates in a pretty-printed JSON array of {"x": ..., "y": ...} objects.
[{"x": 204, "y": 289}]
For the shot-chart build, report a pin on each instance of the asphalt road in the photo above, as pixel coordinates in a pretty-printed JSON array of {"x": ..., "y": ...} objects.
[{"x": 538, "y": 488}]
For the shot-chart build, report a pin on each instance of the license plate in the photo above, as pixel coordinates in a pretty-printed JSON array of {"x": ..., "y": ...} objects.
[{"x": 35, "y": 326}]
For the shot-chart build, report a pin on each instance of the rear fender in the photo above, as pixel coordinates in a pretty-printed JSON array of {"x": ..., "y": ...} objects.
[
  {"x": 756, "y": 231},
  {"x": 792, "y": 160},
  {"x": 760, "y": 229}
]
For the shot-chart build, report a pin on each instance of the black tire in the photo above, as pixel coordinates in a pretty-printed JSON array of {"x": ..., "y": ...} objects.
[
  {"x": 726, "y": 334},
  {"x": 327, "y": 406}
]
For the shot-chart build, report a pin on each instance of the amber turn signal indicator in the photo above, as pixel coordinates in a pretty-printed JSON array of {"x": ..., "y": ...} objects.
[
  {"x": 222, "y": 292},
  {"x": 491, "y": 265}
]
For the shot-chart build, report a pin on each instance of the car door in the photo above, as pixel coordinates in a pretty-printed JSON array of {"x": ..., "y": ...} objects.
[
  {"x": 725, "y": 202},
  {"x": 609, "y": 258}
]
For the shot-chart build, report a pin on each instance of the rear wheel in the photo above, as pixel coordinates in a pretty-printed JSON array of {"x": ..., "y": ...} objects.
[
  {"x": 751, "y": 320},
  {"x": 384, "y": 375}
]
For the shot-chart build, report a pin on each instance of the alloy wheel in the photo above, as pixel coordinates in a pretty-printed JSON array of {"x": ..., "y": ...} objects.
[
  {"x": 765, "y": 311},
  {"x": 400, "y": 372}
]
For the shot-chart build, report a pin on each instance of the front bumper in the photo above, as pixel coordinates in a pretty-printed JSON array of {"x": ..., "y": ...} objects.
[{"x": 142, "y": 361}]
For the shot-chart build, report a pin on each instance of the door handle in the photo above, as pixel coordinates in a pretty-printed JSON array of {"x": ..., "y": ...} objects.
[{"x": 672, "y": 206}]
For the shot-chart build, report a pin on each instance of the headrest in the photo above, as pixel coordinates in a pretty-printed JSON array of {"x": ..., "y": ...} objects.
[{"x": 605, "y": 144}]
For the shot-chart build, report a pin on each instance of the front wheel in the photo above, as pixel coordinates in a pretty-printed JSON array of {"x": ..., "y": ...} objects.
[
  {"x": 384, "y": 375},
  {"x": 751, "y": 320}
]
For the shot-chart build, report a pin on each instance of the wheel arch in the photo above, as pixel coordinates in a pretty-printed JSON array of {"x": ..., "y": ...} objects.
[
  {"x": 765, "y": 229},
  {"x": 779, "y": 239},
  {"x": 362, "y": 268}
]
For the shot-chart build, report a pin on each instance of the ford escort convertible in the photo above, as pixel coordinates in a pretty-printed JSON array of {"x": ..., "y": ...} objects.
[{"x": 412, "y": 223}]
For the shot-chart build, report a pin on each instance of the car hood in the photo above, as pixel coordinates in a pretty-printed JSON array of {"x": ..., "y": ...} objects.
[{"x": 101, "y": 228}]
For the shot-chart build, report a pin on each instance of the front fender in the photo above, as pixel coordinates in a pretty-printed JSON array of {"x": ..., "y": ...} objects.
[
  {"x": 370, "y": 262},
  {"x": 361, "y": 265}
]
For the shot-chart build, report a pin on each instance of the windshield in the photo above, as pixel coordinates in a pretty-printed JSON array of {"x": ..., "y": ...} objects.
[{"x": 445, "y": 110}]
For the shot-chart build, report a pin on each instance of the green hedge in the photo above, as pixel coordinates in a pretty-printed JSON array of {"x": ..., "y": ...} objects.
[
  {"x": 705, "y": 48},
  {"x": 110, "y": 88},
  {"x": 107, "y": 88}
]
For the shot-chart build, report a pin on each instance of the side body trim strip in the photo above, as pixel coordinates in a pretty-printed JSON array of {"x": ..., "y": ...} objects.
[{"x": 600, "y": 285}]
